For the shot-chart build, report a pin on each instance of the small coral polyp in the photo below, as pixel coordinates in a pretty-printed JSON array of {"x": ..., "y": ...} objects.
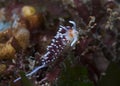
[
  {"x": 7, "y": 51},
  {"x": 28, "y": 11}
]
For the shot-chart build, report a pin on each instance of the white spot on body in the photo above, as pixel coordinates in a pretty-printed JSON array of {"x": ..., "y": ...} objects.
[
  {"x": 57, "y": 36},
  {"x": 56, "y": 47},
  {"x": 62, "y": 27},
  {"x": 53, "y": 50},
  {"x": 52, "y": 44},
  {"x": 53, "y": 40},
  {"x": 58, "y": 50},
  {"x": 45, "y": 56},
  {"x": 48, "y": 47},
  {"x": 56, "y": 53},
  {"x": 56, "y": 41}
]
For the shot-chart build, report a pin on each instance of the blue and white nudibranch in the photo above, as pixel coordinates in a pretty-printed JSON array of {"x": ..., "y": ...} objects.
[{"x": 65, "y": 36}]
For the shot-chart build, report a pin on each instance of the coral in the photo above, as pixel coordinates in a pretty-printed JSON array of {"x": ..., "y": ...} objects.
[
  {"x": 28, "y": 11},
  {"x": 37, "y": 21},
  {"x": 2, "y": 14},
  {"x": 7, "y": 51},
  {"x": 22, "y": 35},
  {"x": 2, "y": 68}
]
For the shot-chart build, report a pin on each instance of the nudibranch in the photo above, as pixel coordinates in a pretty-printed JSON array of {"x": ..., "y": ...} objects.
[{"x": 65, "y": 36}]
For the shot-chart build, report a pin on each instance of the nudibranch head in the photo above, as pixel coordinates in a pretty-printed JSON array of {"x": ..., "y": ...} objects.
[{"x": 72, "y": 34}]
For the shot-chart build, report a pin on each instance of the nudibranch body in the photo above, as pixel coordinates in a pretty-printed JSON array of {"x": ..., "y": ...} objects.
[{"x": 64, "y": 37}]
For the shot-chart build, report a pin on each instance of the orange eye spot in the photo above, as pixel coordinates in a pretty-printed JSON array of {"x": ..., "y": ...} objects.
[{"x": 71, "y": 33}]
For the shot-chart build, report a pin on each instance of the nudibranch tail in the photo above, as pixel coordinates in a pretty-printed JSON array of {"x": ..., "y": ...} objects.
[{"x": 32, "y": 72}]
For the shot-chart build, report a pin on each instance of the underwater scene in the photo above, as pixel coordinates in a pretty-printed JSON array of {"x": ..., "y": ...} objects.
[{"x": 59, "y": 43}]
